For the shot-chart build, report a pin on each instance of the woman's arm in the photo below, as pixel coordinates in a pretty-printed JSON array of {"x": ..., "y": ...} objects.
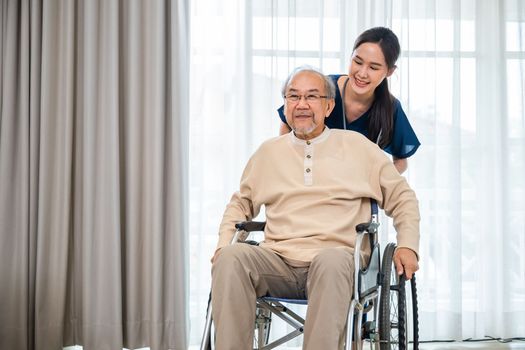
[
  {"x": 284, "y": 129},
  {"x": 401, "y": 164}
]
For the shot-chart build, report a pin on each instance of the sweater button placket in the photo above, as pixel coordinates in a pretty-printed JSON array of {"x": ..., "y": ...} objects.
[{"x": 308, "y": 163}]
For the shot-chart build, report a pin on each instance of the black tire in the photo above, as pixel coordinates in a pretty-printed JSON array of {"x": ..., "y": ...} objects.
[
  {"x": 393, "y": 309},
  {"x": 415, "y": 320}
]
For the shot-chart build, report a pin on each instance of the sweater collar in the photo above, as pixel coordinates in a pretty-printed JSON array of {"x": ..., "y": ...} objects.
[{"x": 318, "y": 139}]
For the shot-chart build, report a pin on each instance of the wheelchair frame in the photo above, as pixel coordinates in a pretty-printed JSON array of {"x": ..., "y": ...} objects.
[{"x": 378, "y": 291}]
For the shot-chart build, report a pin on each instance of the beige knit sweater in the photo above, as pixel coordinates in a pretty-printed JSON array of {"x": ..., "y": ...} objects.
[{"x": 315, "y": 193}]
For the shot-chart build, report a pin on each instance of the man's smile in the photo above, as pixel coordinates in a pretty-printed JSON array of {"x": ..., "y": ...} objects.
[{"x": 303, "y": 116}]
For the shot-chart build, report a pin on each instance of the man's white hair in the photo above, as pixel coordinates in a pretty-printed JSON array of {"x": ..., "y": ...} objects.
[{"x": 329, "y": 86}]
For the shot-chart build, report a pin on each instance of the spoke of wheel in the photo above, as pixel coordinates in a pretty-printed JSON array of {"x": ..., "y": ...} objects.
[{"x": 394, "y": 330}]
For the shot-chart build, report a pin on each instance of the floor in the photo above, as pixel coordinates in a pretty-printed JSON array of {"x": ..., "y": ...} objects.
[{"x": 484, "y": 345}]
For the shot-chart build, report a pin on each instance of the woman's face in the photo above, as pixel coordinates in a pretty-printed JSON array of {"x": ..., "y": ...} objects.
[{"x": 367, "y": 68}]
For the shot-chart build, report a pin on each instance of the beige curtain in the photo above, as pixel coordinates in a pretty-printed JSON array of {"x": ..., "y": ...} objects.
[{"x": 93, "y": 185}]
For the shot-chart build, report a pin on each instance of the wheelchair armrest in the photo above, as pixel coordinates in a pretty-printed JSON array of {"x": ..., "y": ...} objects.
[
  {"x": 250, "y": 226},
  {"x": 367, "y": 227}
]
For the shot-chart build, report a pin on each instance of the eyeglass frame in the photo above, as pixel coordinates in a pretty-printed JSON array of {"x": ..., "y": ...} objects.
[{"x": 317, "y": 98}]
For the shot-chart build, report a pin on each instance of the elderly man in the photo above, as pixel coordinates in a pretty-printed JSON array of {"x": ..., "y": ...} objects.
[{"x": 315, "y": 184}]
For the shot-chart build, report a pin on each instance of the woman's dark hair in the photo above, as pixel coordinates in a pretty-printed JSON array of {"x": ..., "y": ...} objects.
[{"x": 381, "y": 121}]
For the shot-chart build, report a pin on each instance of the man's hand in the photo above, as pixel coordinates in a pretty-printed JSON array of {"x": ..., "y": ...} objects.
[{"x": 405, "y": 260}]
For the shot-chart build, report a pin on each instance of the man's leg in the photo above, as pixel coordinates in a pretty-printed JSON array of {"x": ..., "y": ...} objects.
[
  {"x": 240, "y": 274},
  {"x": 329, "y": 289}
]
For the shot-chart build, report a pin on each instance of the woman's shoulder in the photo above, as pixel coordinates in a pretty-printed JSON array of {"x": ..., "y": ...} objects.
[
  {"x": 396, "y": 103},
  {"x": 404, "y": 141},
  {"x": 399, "y": 113},
  {"x": 401, "y": 122},
  {"x": 336, "y": 77}
]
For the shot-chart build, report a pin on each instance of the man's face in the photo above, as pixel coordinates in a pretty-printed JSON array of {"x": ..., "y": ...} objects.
[{"x": 306, "y": 116}]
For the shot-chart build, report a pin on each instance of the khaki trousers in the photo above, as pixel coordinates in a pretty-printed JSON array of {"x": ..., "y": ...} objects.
[{"x": 242, "y": 272}]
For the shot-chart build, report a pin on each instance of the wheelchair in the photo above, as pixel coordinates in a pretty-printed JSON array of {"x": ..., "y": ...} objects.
[{"x": 380, "y": 311}]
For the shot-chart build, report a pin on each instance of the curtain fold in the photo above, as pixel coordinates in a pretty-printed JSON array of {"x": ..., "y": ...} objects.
[{"x": 93, "y": 183}]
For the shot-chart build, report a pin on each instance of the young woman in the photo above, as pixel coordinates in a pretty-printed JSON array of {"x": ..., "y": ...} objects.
[{"x": 363, "y": 102}]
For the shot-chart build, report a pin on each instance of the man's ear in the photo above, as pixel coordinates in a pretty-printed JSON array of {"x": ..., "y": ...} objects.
[{"x": 329, "y": 107}]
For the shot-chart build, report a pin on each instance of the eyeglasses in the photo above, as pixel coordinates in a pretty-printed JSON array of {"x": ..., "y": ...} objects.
[{"x": 311, "y": 98}]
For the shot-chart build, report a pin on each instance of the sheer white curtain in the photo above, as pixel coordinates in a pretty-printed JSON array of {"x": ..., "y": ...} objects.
[{"x": 461, "y": 81}]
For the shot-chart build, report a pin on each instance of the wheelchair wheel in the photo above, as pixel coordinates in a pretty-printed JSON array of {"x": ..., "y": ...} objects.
[
  {"x": 263, "y": 321},
  {"x": 393, "y": 312}
]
